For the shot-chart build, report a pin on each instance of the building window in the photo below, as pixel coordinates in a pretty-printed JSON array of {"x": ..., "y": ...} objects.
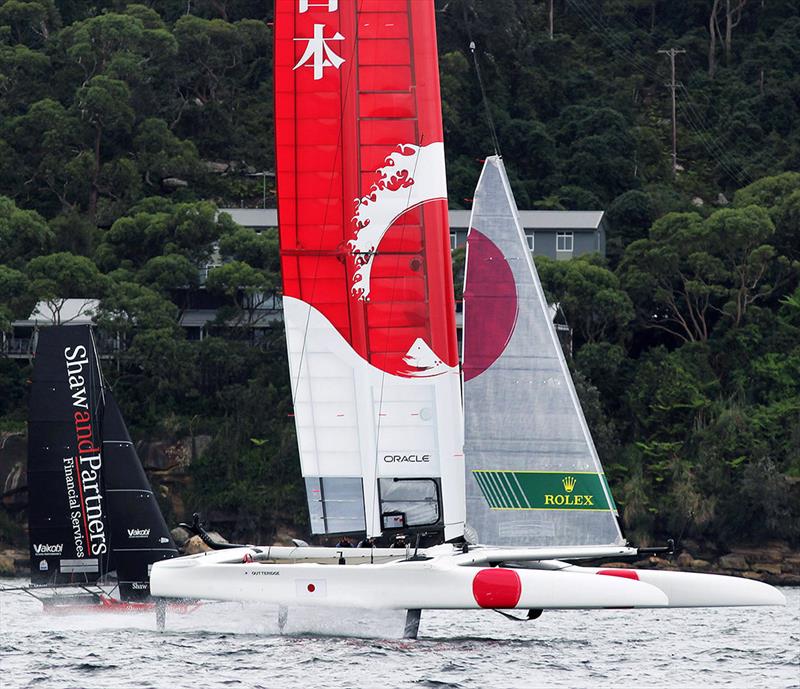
[
  {"x": 529, "y": 235},
  {"x": 564, "y": 241},
  {"x": 453, "y": 241}
]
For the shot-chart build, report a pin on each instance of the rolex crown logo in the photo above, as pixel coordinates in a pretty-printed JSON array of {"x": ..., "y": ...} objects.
[{"x": 569, "y": 483}]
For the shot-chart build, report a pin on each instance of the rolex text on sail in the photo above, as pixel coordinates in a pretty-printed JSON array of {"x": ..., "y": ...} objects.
[{"x": 542, "y": 490}]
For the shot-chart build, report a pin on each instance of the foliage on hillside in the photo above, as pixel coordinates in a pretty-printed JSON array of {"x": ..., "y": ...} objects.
[{"x": 123, "y": 126}]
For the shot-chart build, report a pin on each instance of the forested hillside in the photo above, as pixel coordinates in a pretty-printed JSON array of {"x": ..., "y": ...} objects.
[{"x": 124, "y": 126}]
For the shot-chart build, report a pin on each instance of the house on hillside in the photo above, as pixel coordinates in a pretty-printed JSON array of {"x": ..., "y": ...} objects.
[
  {"x": 557, "y": 234},
  {"x": 20, "y": 343}
]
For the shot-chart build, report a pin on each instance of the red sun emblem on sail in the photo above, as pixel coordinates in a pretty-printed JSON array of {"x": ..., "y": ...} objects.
[{"x": 490, "y": 311}]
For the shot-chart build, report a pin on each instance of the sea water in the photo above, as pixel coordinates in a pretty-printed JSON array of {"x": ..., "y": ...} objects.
[{"x": 234, "y": 645}]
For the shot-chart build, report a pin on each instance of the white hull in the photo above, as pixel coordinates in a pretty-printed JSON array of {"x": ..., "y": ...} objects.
[
  {"x": 694, "y": 590},
  {"x": 444, "y": 581}
]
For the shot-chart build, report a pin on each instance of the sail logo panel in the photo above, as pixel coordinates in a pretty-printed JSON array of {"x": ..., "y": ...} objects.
[
  {"x": 542, "y": 490},
  {"x": 365, "y": 254},
  {"x": 67, "y": 510}
]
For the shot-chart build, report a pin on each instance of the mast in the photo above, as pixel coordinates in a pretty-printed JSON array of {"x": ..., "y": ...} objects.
[{"x": 365, "y": 258}]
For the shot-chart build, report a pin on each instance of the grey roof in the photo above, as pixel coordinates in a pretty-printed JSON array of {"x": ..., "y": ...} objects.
[
  {"x": 199, "y": 318},
  {"x": 531, "y": 220},
  {"x": 72, "y": 312},
  {"x": 253, "y": 217},
  {"x": 542, "y": 220}
]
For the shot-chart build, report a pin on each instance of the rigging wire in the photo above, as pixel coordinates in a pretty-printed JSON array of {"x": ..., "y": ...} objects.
[
  {"x": 594, "y": 20},
  {"x": 489, "y": 118},
  {"x": 484, "y": 98}
]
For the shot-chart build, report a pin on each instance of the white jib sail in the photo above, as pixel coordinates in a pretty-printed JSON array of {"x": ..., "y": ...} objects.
[{"x": 533, "y": 476}]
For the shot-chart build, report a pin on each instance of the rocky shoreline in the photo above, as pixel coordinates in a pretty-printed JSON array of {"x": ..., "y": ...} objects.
[{"x": 774, "y": 563}]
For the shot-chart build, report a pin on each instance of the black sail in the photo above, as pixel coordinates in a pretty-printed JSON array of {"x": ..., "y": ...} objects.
[
  {"x": 139, "y": 534},
  {"x": 67, "y": 513}
]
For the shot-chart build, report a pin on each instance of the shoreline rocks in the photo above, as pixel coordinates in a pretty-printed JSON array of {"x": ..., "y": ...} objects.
[{"x": 774, "y": 563}]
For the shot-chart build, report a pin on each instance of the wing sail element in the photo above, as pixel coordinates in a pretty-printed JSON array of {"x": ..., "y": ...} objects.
[{"x": 365, "y": 258}]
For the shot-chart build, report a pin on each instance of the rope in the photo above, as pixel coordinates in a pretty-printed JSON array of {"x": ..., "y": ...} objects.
[{"x": 489, "y": 118}]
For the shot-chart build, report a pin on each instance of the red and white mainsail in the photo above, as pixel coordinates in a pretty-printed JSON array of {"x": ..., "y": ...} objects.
[{"x": 365, "y": 256}]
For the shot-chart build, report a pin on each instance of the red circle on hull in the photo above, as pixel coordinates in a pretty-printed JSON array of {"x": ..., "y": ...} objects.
[
  {"x": 497, "y": 588},
  {"x": 623, "y": 573}
]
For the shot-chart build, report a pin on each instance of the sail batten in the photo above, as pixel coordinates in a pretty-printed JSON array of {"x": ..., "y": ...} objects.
[{"x": 533, "y": 476}]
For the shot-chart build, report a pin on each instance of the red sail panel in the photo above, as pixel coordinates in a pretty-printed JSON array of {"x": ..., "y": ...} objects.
[{"x": 360, "y": 172}]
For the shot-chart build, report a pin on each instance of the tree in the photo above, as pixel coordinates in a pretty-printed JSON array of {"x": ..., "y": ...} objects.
[
  {"x": 23, "y": 77},
  {"x": 73, "y": 232},
  {"x": 598, "y": 148},
  {"x": 246, "y": 287},
  {"x": 13, "y": 295},
  {"x": 786, "y": 215},
  {"x": 103, "y": 103},
  {"x": 23, "y": 234},
  {"x": 590, "y": 295},
  {"x": 630, "y": 216},
  {"x": 689, "y": 272},
  {"x": 767, "y": 191},
  {"x": 156, "y": 226},
  {"x": 740, "y": 238},
  {"x": 51, "y": 159},
  {"x": 257, "y": 249},
  {"x": 121, "y": 46},
  {"x": 161, "y": 154},
  {"x": 30, "y": 21},
  {"x": 57, "y": 277},
  {"x": 732, "y": 10},
  {"x": 165, "y": 273},
  {"x": 128, "y": 307}
]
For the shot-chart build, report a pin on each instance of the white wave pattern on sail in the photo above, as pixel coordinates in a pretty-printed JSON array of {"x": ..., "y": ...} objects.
[
  {"x": 411, "y": 175},
  {"x": 533, "y": 474}
]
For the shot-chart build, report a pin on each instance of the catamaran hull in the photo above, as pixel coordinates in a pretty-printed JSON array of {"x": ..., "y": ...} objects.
[
  {"x": 432, "y": 584},
  {"x": 442, "y": 582},
  {"x": 695, "y": 590},
  {"x": 108, "y": 604}
]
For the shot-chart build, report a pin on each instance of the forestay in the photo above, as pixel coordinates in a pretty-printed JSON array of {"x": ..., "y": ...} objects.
[
  {"x": 533, "y": 475},
  {"x": 365, "y": 258}
]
